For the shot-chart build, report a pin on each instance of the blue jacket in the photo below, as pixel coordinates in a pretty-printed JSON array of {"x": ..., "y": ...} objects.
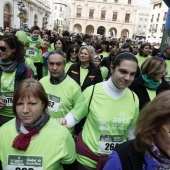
[
  {"x": 23, "y": 71},
  {"x": 127, "y": 158}
]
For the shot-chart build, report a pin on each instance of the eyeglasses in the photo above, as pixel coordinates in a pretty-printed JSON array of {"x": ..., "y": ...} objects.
[
  {"x": 72, "y": 51},
  {"x": 3, "y": 49},
  {"x": 87, "y": 41},
  {"x": 168, "y": 130}
]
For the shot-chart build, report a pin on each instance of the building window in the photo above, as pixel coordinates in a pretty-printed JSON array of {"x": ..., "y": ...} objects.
[
  {"x": 60, "y": 8},
  {"x": 140, "y": 19},
  {"x": 158, "y": 17},
  {"x": 165, "y": 14},
  {"x": 78, "y": 14},
  {"x": 152, "y": 18},
  {"x": 116, "y": 1},
  {"x": 139, "y": 26},
  {"x": 114, "y": 18},
  {"x": 129, "y": 1},
  {"x": 156, "y": 28},
  {"x": 55, "y": 7},
  {"x": 127, "y": 18},
  {"x": 91, "y": 13},
  {"x": 103, "y": 14},
  {"x": 144, "y": 26},
  {"x": 162, "y": 29}
]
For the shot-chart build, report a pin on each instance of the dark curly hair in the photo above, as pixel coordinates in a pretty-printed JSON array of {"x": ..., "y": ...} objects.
[{"x": 13, "y": 43}]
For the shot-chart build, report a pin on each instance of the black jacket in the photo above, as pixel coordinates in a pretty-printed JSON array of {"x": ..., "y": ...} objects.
[
  {"x": 94, "y": 75},
  {"x": 140, "y": 89},
  {"x": 129, "y": 157}
]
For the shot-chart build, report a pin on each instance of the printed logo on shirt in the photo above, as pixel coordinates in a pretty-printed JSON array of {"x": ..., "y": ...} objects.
[{"x": 18, "y": 162}]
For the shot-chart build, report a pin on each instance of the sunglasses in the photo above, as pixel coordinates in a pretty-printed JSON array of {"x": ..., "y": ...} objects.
[
  {"x": 3, "y": 49},
  {"x": 72, "y": 51}
]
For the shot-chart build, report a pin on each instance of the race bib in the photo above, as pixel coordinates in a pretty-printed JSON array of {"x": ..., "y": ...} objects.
[
  {"x": 7, "y": 98},
  {"x": 16, "y": 162},
  {"x": 107, "y": 143},
  {"x": 31, "y": 52},
  {"x": 54, "y": 103}
]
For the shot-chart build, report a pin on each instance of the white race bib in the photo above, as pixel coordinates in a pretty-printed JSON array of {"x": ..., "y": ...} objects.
[
  {"x": 8, "y": 98},
  {"x": 54, "y": 103},
  {"x": 31, "y": 52},
  {"x": 107, "y": 143},
  {"x": 16, "y": 162}
]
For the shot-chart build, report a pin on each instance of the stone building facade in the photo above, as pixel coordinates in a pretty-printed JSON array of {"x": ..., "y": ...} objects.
[
  {"x": 34, "y": 12},
  {"x": 114, "y": 18}
]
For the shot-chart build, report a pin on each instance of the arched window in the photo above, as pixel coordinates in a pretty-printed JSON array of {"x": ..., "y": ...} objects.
[{"x": 7, "y": 16}]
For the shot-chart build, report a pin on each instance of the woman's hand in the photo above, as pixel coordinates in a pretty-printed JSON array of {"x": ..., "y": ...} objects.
[
  {"x": 62, "y": 121},
  {"x": 2, "y": 102}
]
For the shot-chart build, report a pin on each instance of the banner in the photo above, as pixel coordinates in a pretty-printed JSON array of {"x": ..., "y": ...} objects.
[{"x": 166, "y": 33}]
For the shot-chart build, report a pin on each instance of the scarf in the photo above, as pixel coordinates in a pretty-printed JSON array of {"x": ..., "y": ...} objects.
[
  {"x": 150, "y": 84},
  {"x": 8, "y": 66},
  {"x": 163, "y": 160},
  {"x": 22, "y": 141},
  {"x": 33, "y": 39}
]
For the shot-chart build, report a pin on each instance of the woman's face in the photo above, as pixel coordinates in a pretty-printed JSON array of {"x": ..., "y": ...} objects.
[
  {"x": 145, "y": 51},
  {"x": 162, "y": 138},
  {"x": 159, "y": 76},
  {"x": 58, "y": 45},
  {"x": 6, "y": 53},
  {"x": 74, "y": 53},
  {"x": 103, "y": 46},
  {"x": 45, "y": 37},
  {"x": 29, "y": 109},
  {"x": 84, "y": 56},
  {"x": 123, "y": 75}
]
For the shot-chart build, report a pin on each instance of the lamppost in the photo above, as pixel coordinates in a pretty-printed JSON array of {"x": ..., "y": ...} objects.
[{"x": 21, "y": 7}]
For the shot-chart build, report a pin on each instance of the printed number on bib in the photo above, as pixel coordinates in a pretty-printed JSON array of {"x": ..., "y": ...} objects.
[
  {"x": 7, "y": 98},
  {"x": 17, "y": 162},
  {"x": 107, "y": 143},
  {"x": 54, "y": 103},
  {"x": 31, "y": 52}
]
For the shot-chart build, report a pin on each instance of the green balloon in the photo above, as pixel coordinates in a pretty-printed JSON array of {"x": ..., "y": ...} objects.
[
  {"x": 1, "y": 33},
  {"x": 104, "y": 72},
  {"x": 21, "y": 36}
]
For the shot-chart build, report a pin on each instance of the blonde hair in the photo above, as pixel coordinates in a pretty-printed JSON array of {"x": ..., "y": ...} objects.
[
  {"x": 153, "y": 66},
  {"x": 90, "y": 51}
]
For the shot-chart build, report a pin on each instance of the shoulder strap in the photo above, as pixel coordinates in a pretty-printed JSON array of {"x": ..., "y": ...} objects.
[{"x": 91, "y": 98}]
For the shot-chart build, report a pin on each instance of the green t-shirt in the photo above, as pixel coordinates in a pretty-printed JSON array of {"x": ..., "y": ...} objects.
[
  {"x": 107, "y": 122},
  {"x": 151, "y": 93},
  {"x": 64, "y": 97},
  {"x": 33, "y": 52},
  {"x": 104, "y": 54},
  {"x": 52, "y": 147},
  {"x": 31, "y": 65},
  {"x": 141, "y": 59},
  {"x": 167, "y": 77},
  {"x": 6, "y": 91},
  {"x": 83, "y": 74},
  {"x": 68, "y": 64}
]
